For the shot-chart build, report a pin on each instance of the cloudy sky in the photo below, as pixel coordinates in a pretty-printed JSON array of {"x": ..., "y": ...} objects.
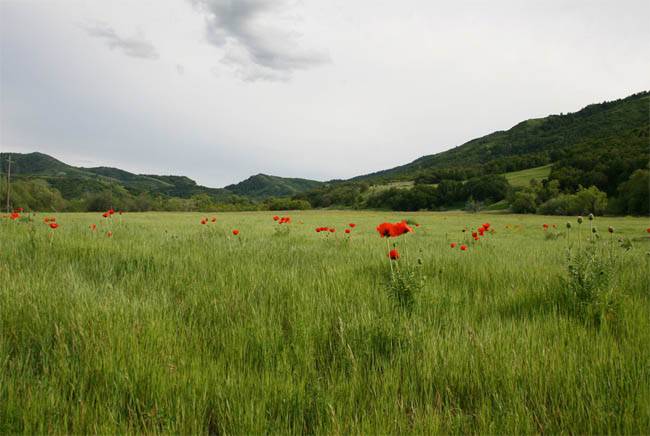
[{"x": 219, "y": 90}]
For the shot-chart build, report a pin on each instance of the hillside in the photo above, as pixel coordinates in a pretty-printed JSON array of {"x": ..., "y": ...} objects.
[
  {"x": 535, "y": 142},
  {"x": 264, "y": 186}
]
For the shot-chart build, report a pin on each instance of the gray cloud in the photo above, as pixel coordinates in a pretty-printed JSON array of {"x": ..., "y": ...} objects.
[
  {"x": 256, "y": 38},
  {"x": 134, "y": 46}
]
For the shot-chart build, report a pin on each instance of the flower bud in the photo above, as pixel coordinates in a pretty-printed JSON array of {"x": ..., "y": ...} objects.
[
  {"x": 591, "y": 217},
  {"x": 610, "y": 229},
  {"x": 579, "y": 220}
]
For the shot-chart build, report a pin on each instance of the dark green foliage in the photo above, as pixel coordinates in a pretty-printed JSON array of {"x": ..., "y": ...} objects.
[
  {"x": 584, "y": 202},
  {"x": 265, "y": 186},
  {"x": 634, "y": 194}
]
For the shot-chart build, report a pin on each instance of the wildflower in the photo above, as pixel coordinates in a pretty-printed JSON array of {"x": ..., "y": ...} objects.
[
  {"x": 53, "y": 225},
  {"x": 109, "y": 233},
  {"x": 352, "y": 225},
  {"x": 463, "y": 247},
  {"x": 384, "y": 229},
  {"x": 204, "y": 221},
  {"x": 481, "y": 231},
  {"x": 275, "y": 218},
  {"x": 105, "y": 214},
  {"x": 347, "y": 231},
  {"x": 15, "y": 215},
  {"x": 93, "y": 227},
  {"x": 401, "y": 228},
  {"x": 235, "y": 232},
  {"x": 545, "y": 226},
  {"x": 214, "y": 219},
  {"x": 453, "y": 245},
  {"x": 474, "y": 235},
  {"x": 393, "y": 254},
  {"x": 332, "y": 230}
]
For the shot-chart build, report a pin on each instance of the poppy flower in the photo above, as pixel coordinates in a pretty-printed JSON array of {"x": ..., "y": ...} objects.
[
  {"x": 319, "y": 229},
  {"x": 486, "y": 226},
  {"x": 20, "y": 209},
  {"x": 105, "y": 214},
  {"x": 463, "y": 247},
  {"x": 15, "y": 215},
  {"x": 111, "y": 211},
  {"x": 53, "y": 225},
  {"x": 393, "y": 254},
  {"x": 332, "y": 230},
  {"x": 481, "y": 231},
  {"x": 401, "y": 228},
  {"x": 109, "y": 234},
  {"x": 648, "y": 230},
  {"x": 204, "y": 221},
  {"x": 384, "y": 229},
  {"x": 453, "y": 245},
  {"x": 235, "y": 232},
  {"x": 352, "y": 225},
  {"x": 93, "y": 226},
  {"x": 474, "y": 235},
  {"x": 214, "y": 219},
  {"x": 275, "y": 218},
  {"x": 545, "y": 226},
  {"x": 347, "y": 231}
]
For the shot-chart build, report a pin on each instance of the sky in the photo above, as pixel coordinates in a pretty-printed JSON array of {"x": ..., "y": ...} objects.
[{"x": 219, "y": 90}]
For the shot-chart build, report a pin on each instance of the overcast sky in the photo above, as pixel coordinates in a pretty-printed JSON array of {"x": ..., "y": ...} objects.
[{"x": 219, "y": 90}]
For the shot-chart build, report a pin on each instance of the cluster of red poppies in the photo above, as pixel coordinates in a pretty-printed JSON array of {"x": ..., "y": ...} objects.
[
  {"x": 545, "y": 226},
  {"x": 392, "y": 230},
  {"x": 109, "y": 213},
  {"x": 51, "y": 221},
  {"x": 325, "y": 229},
  {"x": 282, "y": 220}
]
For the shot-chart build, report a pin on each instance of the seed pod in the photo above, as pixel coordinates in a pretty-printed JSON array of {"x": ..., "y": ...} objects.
[
  {"x": 591, "y": 217},
  {"x": 579, "y": 220},
  {"x": 610, "y": 229},
  {"x": 568, "y": 225},
  {"x": 594, "y": 230}
]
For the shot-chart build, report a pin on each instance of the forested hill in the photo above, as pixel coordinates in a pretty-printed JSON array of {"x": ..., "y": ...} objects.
[{"x": 595, "y": 132}]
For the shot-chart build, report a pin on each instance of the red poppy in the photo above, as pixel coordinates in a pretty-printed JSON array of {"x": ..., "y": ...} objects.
[
  {"x": 111, "y": 211},
  {"x": 474, "y": 235},
  {"x": 204, "y": 221},
  {"x": 648, "y": 230},
  {"x": 545, "y": 226},
  {"x": 347, "y": 231},
  {"x": 353, "y": 225},
  {"x": 453, "y": 245},
  {"x": 486, "y": 226},
  {"x": 393, "y": 230},
  {"x": 319, "y": 229},
  {"x": 235, "y": 232},
  {"x": 20, "y": 209},
  {"x": 275, "y": 218},
  {"x": 53, "y": 225},
  {"x": 15, "y": 216},
  {"x": 393, "y": 254},
  {"x": 109, "y": 234},
  {"x": 214, "y": 219},
  {"x": 332, "y": 230},
  {"x": 105, "y": 214},
  {"x": 463, "y": 247},
  {"x": 93, "y": 226},
  {"x": 284, "y": 219},
  {"x": 481, "y": 231}
]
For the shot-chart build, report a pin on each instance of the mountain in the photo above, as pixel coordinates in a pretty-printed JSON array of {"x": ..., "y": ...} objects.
[
  {"x": 264, "y": 186},
  {"x": 537, "y": 142},
  {"x": 76, "y": 182}
]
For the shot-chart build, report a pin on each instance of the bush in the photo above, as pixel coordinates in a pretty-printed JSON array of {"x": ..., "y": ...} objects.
[
  {"x": 288, "y": 204},
  {"x": 524, "y": 202},
  {"x": 584, "y": 202}
]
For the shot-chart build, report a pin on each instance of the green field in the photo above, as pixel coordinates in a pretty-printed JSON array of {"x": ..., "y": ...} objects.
[
  {"x": 174, "y": 326},
  {"x": 521, "y": 179}
]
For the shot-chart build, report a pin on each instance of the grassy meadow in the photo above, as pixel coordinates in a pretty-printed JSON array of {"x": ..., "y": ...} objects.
[{"x": 174, "y": 326}]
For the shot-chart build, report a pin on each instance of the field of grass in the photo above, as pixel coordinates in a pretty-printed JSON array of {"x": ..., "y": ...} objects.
[
  {"x": 522, "y": 178},
  {"x": 174, "y": 326}
]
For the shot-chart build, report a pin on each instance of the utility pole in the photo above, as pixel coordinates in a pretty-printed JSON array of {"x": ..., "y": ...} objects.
[{"x": 8, "y": 183}]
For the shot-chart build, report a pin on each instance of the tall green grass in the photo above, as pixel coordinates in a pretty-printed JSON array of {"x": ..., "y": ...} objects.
[{"x": 174, "y": 326}]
